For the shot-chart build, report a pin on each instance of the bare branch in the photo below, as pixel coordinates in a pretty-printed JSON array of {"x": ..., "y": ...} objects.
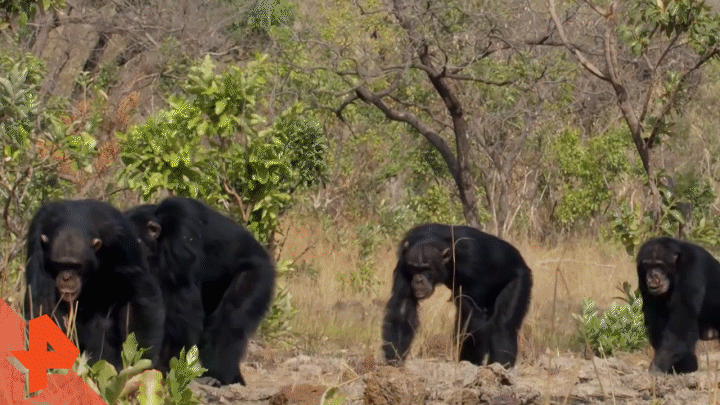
[
  {"x": 589, "y": 66},
  {"x": 621, "y": 93},
  {"x": 244, "y": 211},
  {"x": 524, "y": 133},
  {"x": 421, "y": 107},
  {"x": 363, "y": 12},
  {"x": 412, "y": 120},
  {"x": 673, "y": 96},
  {"x": 9, "y": 222},
  {"x": 348, "y": 100},
  {"x": 445, "y": 73},
  {"x": 597, "y": 9},
  {"x": 654, "y": 78},
  {"x": 479, "y": 80},
  {"x": 667, "y": 49}
]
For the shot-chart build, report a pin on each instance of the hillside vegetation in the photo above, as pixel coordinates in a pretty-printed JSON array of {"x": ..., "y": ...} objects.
[{"x": 575, "y": 130}]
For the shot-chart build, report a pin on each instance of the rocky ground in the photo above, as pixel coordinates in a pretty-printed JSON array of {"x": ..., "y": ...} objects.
[{"x": 549, "y": 379}]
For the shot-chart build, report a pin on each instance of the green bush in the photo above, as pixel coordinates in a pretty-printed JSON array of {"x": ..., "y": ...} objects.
[
  {"x": 277, "y": 323},
  {"x": 582, "y": 172},
  {"x": 360, "y": 280},
  {"x": 268, "y": 13},
  {"x": 632, "y": 224},
  {"x": 136, "y": 379},
  {"x": 621, "y": 328},
  {"x": 213, "y": 143},
  {"x": 33, "y": 142},
  {"x": 436, "y": 204}
]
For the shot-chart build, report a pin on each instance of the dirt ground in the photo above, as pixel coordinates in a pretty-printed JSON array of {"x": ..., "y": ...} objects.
[{"x": 549, "y": 379}]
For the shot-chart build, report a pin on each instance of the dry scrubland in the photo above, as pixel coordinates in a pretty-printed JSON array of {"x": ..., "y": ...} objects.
[
  {"x": 337, "y": 338},
  {"x": 590, "y": 268}
]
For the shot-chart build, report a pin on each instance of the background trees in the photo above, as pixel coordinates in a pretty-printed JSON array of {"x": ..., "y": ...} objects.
[
  {"x": 452, "y": 72},
  {"x": 650, "y": 53},
  {"x": 540, "y": 121},
  {"x": 508, "y": 115}
]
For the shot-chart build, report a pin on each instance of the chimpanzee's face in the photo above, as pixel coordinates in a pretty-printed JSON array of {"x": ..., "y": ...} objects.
[
  {"x": 71, "y": 255},
  {"x": 426, "y": 263},
  {"x": 658, "y": 276},
  {"x": 657, "y": 264}
]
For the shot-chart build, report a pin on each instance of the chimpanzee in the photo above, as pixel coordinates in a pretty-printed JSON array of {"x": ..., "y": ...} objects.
[
  {"x": 490, "y": 283},
  {"x": 234, "y": 274},
  {"x": 177, "y": 266},
  {"x": 680, "y": 286},
  {"x": 85, "y": 253}
]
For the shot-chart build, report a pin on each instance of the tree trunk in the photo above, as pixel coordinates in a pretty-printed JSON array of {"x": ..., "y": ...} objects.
[{"x": 466, "y": 188}]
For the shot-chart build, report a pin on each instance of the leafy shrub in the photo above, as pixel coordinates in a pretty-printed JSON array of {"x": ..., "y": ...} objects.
[
  {"x": 584, "y": 172},
  {"x": 621, "y": 328},
  {"x": 213, "y": 143},
  {"x": 136, "y": 381},
  {"x": 34, "y": 146},
  {"x": 436, "y": 205},
  {"x": 697, "y": 191},
  {"x": 183, "y": 370},
  {"x": 360, "y": 280},
  {"x": 633, "y": 224},
  {"x": 277, "y": 322},
  {"x": 268, "y": 13},
  {"x": 25, "y": 10}
]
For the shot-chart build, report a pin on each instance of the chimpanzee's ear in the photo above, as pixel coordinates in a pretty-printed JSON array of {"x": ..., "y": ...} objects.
[
  {"x": 447, "y": 255},
  {"x": 154, "y": 229},
  {"x": 675, "y": 254}
]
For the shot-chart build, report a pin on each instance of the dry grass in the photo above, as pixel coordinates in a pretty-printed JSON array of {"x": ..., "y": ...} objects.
[
  {"x": 330, "y": 319},
  {"x": 326, "y": 314}
]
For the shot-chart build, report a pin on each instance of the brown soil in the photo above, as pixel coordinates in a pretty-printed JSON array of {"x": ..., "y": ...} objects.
[{"x": 550, "y": 379}]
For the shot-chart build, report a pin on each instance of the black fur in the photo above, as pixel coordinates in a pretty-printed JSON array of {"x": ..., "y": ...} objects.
[
  {"x": 491, "y": 287},
  {"x": 686, "y": 306},
  {"x": 118, "y": 293},
  {"x": 217, "y": 278},
  {"x": 176, "y": 255}
]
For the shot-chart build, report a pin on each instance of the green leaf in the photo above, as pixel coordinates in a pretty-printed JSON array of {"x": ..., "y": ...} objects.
[
  {"x": 174, "y": 160},
  {"x": 220, "y": 106},
  {"x": 677, "y": 216},
  {"x": 333, "y": 396},
  {"x": 224, "y": 122},
  {"x": 151, "y": 388}
]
